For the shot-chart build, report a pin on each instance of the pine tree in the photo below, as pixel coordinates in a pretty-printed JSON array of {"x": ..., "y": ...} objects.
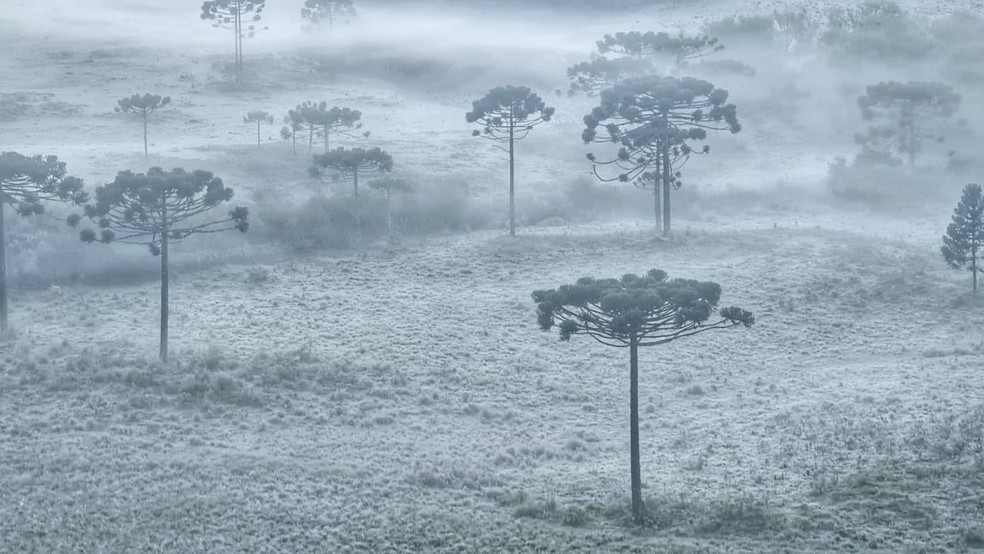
[{"x": 964, "y": 237}]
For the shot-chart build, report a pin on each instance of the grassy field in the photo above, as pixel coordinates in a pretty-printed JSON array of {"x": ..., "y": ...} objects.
[
  {"x": 311, "y": 411},
  {"x": 402, "y": 398}
]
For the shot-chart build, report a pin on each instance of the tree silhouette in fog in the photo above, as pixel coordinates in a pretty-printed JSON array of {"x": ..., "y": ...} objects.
[
  {"x": 142, "y": 106},
  {"x": 258, "y": 118},
  {"x": 321, "y": 11},
  {"x": 508, "y": 114},
  {"x": 26, "y": 183},
  {"x": 653, "y": 120},
  {"x": 157, "y": 208},
  {"x": 964, "y": 236},
  {"x": 389, "y": 185},
  {"x": 353, "y": 163},
  {"x": 633, "y": 312},
  {"x": 239, "y": 16},
  {"x": 904, "y": 110},
  {"x": 334, "y": 120}
]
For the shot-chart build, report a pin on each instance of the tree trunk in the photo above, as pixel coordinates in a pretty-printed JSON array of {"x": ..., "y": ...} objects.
[
  {"x": 638, "y": 509},
  {"x": 355, "y": 178},
  {"x": 310, "y": 136},
  {"x": 3, "y": 270},
  {"x": 164, "y": 284},
  {"x": 237, "y": 30},
  {"x": 389, "y": 219},
  {"x": 326, "y": 138},
  {"x": 146, "y": 155},
  {"x": 657, "y": 191},
  {"x": 667, "y": 183},
  {"x": 512, "y": 180},
  {"x": 257, "y": 132},
  {"x": 973, "y": 266}
]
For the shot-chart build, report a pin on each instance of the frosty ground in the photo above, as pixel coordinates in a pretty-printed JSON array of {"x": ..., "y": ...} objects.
[{"x": 402, "y": 399}]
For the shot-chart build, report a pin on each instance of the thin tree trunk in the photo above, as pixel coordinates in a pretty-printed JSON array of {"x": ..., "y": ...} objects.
[
  {"x": 638, "y": 508},
  {"x": 3, "y": 270},
  {"x": 667, "y": 185},
  {"x": 512, "y": 180},
  {"x": 657, "y": 191},
  {"x": 310, "y": 136},
  {"x": 146, "y": 155},
  {"x": 326, "y": 138},
  {"x": 239, "y": 39},
  {"x": 164, "y": 280},
  {"x": 237, "y": 31},
  {"x": 973, "y": 262},
  {"x": 257, "y": 132},
  {"x": 355, "y": 178},
  {"x": 389, "y": 219}
]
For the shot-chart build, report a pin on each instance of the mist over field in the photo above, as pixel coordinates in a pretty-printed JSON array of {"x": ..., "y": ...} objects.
[{"x": 501, "y": 276}]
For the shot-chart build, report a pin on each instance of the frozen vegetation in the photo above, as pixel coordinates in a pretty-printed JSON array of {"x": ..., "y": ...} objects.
[{"x": 267, "y": 291}]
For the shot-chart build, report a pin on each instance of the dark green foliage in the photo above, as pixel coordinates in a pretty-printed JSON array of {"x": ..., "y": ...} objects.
[
  {"x": 905, "y": 109},
  {"x": 320, "y": 11},
  {"x": 239, "y": 16},
  {"x": 26, "y": 183},
  {"x": 506, "y": 115},
  {"x": 258, "y": 118},
  {"x": 653, "y": 120},
  {"x": 142, "y": 106},
  {"x": 352, "y": 163},
  {"x": 635, "y": 311},
  {"x": 156, "y": 208},
  {"x": 138, "y": 208},
  {"x": 649, "y": 309},
  {"x": 965, "y": 235}
]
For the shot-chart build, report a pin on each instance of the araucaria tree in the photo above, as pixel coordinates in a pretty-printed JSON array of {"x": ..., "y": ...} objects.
[
  {"x": 653, "y": 120},
  {"x": 636, "y": 55},
  {"x": 258, "y": 118},
  {"x": 293, "y": 124},
  {"x": 642, "y": 45},
  {"x": 319, "y": 11},
  {"x": 904, "y": 111},
  {"x": 353, "y": 163},
  {"x": 26, "y": 183},
  {"x": 239, "y": 16},
  {"x": 142, "y": 106},
  {"x": 634, "y": 312},
  {"x": 335, "y": 120},
  {"x": 156, "y": 209},
  {"x": 964, "y": 237},
  {"x": 508, "y": 114}
]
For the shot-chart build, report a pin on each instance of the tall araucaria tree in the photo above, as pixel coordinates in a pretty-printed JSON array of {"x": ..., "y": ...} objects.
[
  {"x": 508, "y": 114},
  {"x": 634, "y": 312},
  {"x": 26, "y": 183},
  {"x": 142, "y": 106},
  {"x": 156, "y": 209},
  {"x": 258, "y": 118},
  {"x": 905, "y": 110},
  {"x": 964, "y": 238},
  {"x": 353, "y": 163},
  {"x": 319, "y": 11},
  {"x": 239, "y": 16},
  {"x": 653, "y": 120}
]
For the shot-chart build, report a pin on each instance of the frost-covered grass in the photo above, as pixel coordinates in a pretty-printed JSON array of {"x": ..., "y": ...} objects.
[{"x": 405, "y": 400}]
